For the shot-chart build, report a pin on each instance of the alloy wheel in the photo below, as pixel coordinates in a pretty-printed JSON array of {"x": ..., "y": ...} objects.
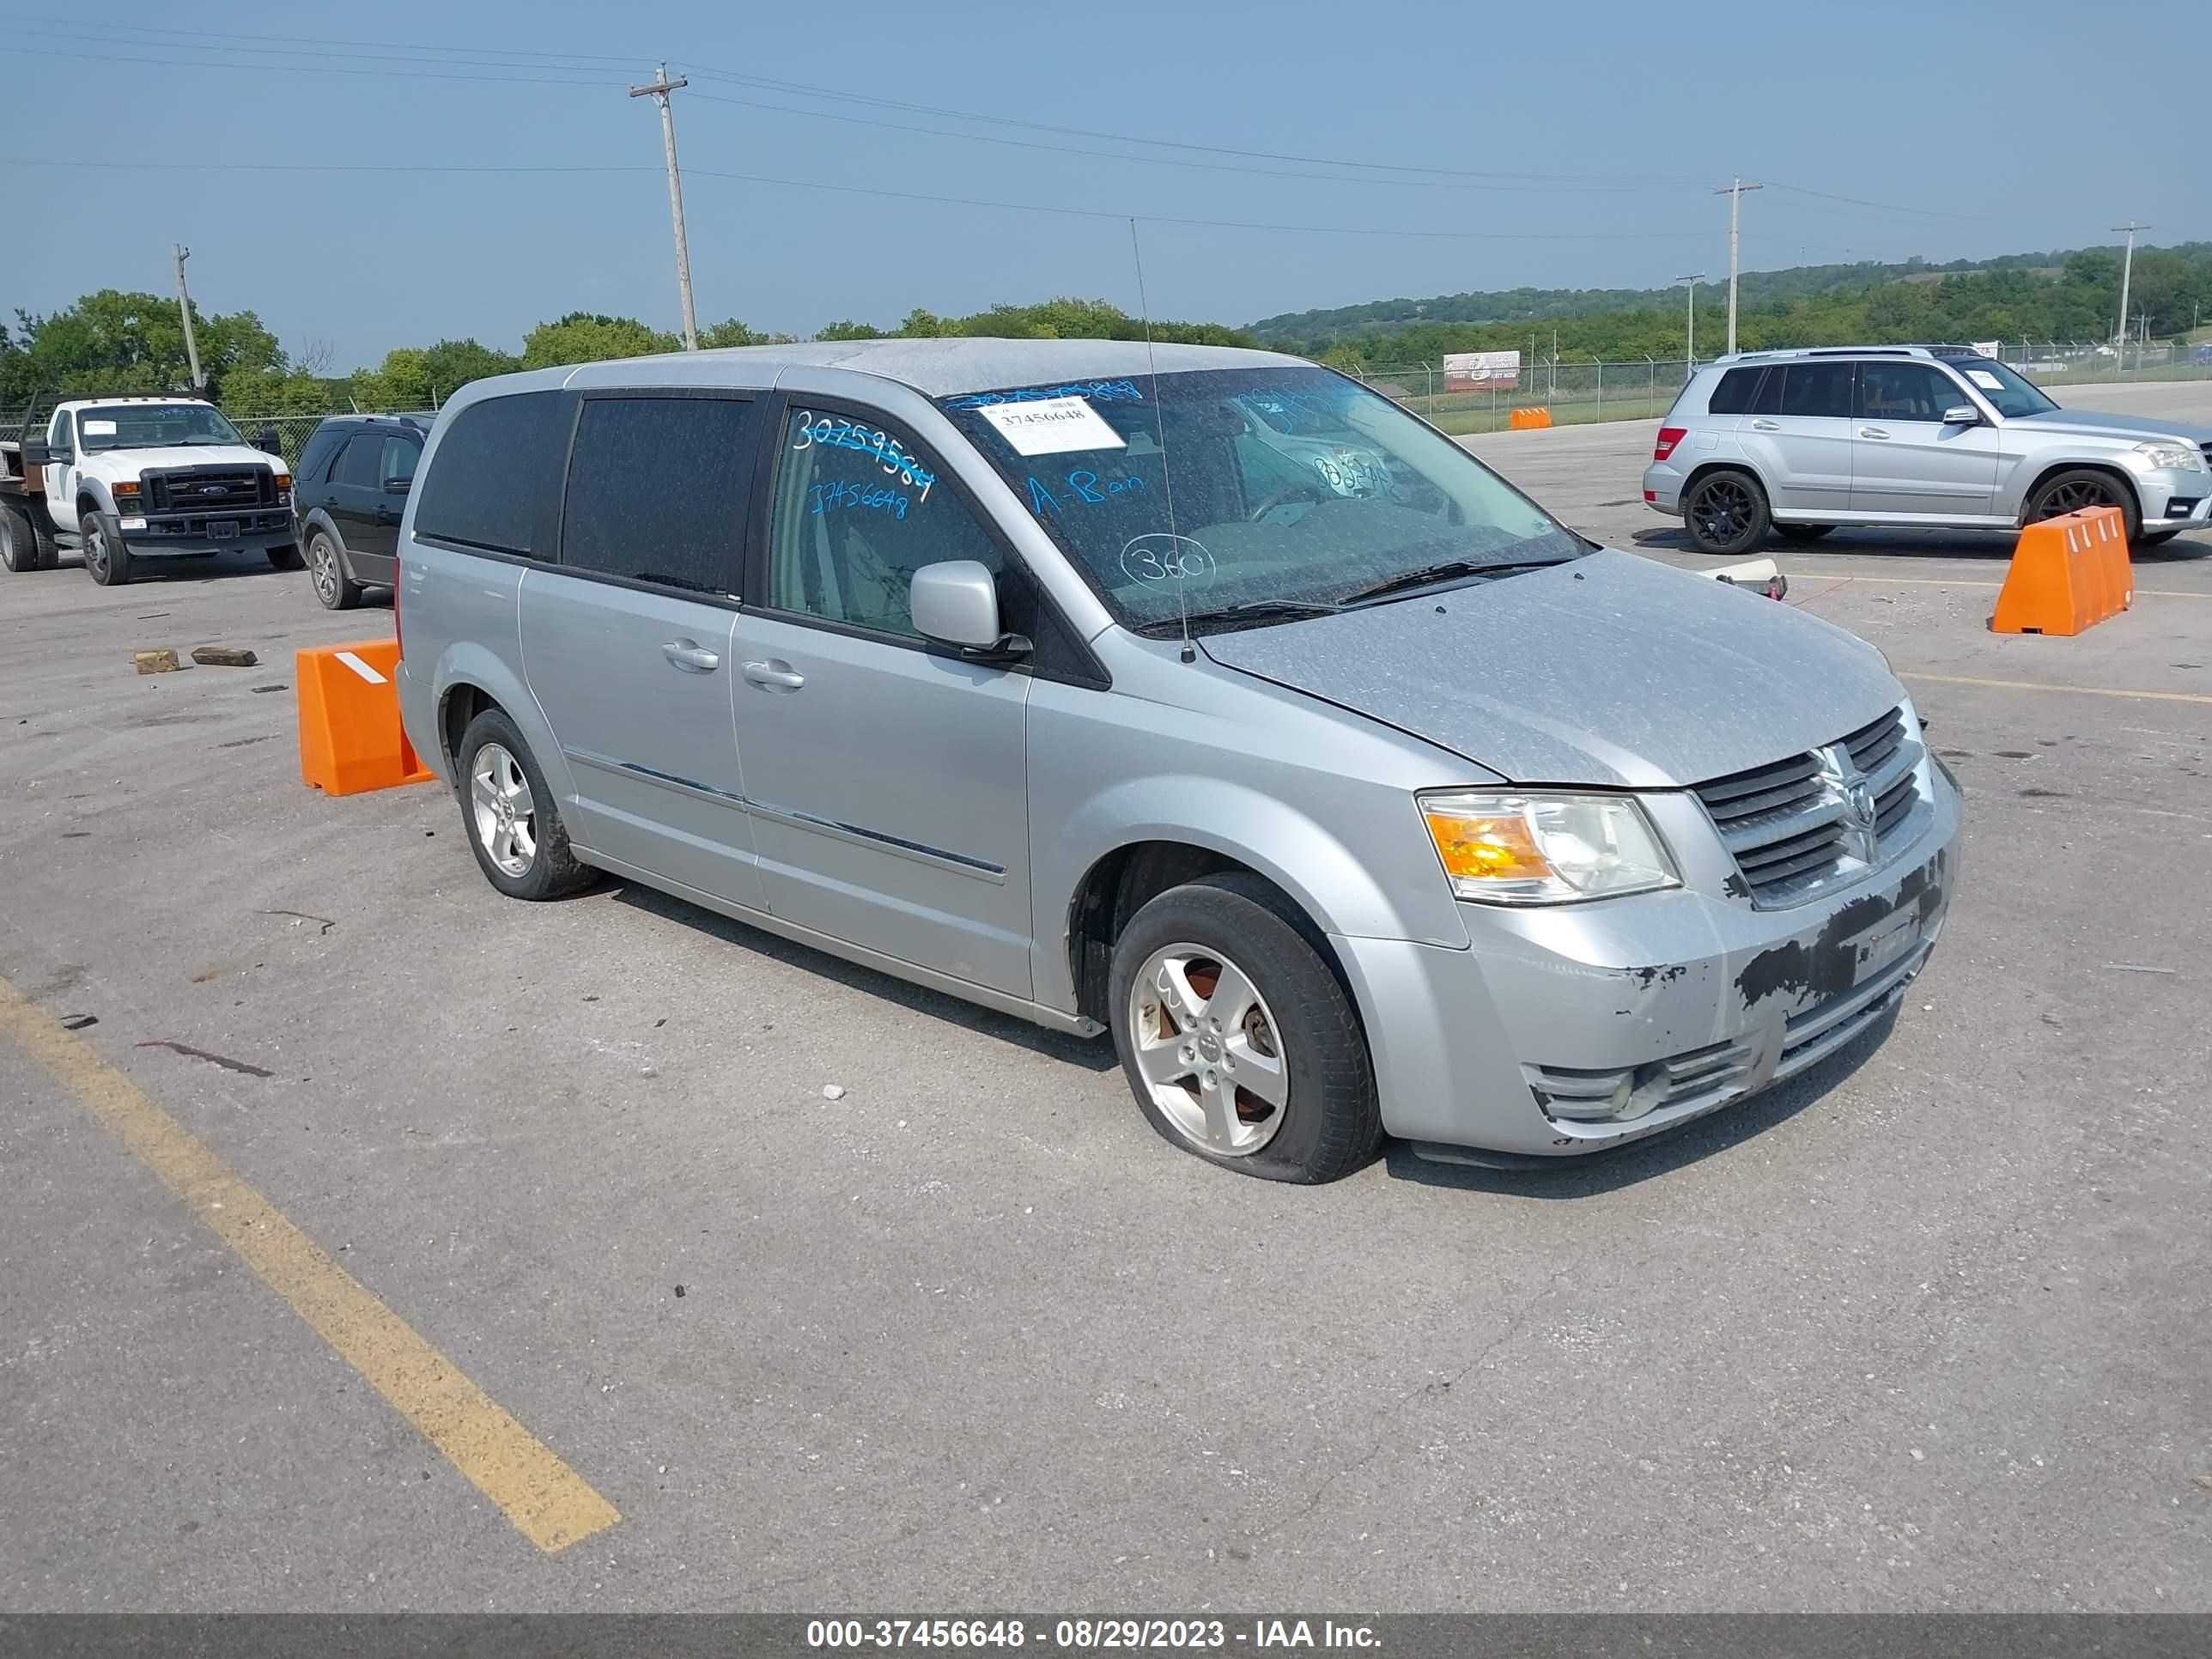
[
  {"x": 2075, "y": 494},
  {"x": 505, "y": 812},
  {"x": 323, "y": 563},
  {"x": 1209, "y": 1049},
  {"x": 1724, "y": 510}
]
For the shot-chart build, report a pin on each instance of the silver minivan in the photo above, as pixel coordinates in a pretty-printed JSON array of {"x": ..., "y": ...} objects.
[{"x": 1204, "y": 697}]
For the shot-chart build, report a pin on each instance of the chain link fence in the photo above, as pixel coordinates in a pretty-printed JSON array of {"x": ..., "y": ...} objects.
[
  {"x": 292, "y": 431},
  {"x": 1575, "y": 393},
  {"x": 1643, "y": 389}
]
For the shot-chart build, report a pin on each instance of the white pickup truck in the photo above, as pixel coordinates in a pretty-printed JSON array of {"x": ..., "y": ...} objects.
[{"x": 126, "y": 479}]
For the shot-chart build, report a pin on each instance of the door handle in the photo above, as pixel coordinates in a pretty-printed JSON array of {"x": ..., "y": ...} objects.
[
  {"x": 687, "y": 653},
  {"x": 1872, "y": 432},
  {"x": 1766, "y": 426},
  {"x": 777, "y": 673}
]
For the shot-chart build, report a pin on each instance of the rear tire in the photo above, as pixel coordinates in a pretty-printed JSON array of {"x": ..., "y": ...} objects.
[
  {"x": 336, "y": 589},
  {"x": 2070, "y": 491},
  {"x": 285, "y": 558},
  {"x": 521, "y": 846},
  {"x": 42, "y": 537},
  {"x": 1279, "y": 1084},
  {"x": 1803, "y": 533},
  {"x": 1726, "y": 512},
  {"x": 107, "y": 560},
  {"x": 19, "y": 548}
]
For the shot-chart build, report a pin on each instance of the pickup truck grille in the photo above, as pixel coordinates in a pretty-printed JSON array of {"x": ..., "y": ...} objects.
[
  {"x": 1799, "y": 825},
  {"x": 209, "y": 489}
]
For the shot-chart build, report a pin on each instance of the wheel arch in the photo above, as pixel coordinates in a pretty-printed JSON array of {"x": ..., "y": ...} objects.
[
  {"x": 2117, "y": 474},
  {"x": 470, "y": 679},
  {"x": 1120, "y": 881},
  {"x": 1705, "y": 470}
]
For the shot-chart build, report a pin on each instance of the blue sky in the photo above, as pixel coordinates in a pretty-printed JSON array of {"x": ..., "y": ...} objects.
[{"x": 1564, "y": 146}]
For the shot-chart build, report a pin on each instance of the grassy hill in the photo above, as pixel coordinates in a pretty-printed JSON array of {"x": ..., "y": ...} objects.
[{"x": 2070, "y": 295}]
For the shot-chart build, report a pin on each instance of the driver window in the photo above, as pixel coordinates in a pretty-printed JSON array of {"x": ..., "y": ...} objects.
[
  {"x": 858, "y": 510},
  {"x": 1905, "y": 392},
  {"x": 61, "y": 442}
]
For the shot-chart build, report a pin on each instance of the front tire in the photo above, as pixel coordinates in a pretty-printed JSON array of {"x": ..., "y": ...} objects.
[
  {"x": 1240, "y": 1043},
  {"x": 286, "y": 557},
  {"x": 1726, "y": 512},
  {"x": 2083, "y": 487},
  {"x": 513, "y": 827},
  {"x": 333, "y": 587},
  {"x": 107, "y": 560}
]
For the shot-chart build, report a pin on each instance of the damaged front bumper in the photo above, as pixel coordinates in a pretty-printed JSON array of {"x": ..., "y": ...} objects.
[{"x": 1572, "y": 1029}]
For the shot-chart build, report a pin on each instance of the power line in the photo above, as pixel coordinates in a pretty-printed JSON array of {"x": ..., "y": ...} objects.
[
  {"x": 877, "y": 190},
  {"x": 1167, "y": 160}
]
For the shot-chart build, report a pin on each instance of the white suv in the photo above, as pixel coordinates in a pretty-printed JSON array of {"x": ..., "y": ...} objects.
[{"x": 1938, "y": 437}]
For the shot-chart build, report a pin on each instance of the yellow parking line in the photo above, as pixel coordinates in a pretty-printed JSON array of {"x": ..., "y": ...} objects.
[
  {"x": 2079, "y": 690},
  {"x": 1967, "y": 581},
  {"x": 549, "y": 1504}
]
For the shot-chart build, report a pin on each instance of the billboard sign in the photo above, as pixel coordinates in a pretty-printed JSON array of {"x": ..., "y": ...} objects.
[{"x": 1481, "y": 371}]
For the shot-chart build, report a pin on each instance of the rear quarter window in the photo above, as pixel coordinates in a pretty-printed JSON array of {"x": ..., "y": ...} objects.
[
  {"x": 495, "y": 479},
  {"x": 315, "y": 460},
  {"x": 1733, "y": 395}
]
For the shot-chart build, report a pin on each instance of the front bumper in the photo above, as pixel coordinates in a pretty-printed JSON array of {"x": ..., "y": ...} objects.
[
  {"x": 2171, "y": 497},
  {"x": 1669, "y": 1006},
  {"x": 253, "y": 530}
]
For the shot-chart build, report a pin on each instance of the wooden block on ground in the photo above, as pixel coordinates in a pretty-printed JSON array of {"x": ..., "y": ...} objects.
[
  {"x": 223, "y": 656},
  {"x": 156, "y": 662}
]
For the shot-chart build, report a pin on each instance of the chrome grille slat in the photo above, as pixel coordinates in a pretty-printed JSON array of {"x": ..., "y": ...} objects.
[{"x": 1791, "y": 825}]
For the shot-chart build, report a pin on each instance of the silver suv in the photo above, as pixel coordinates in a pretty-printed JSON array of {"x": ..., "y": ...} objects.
[
  {"x": 1938, "y": 437},
  {"x": 1215, "y": 702}
]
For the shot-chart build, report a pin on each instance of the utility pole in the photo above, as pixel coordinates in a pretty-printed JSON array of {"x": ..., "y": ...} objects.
[
  {"x": 660, "y": 89},
  {"x": 1690, "y": 337},
  {"x": 1733, "y": 190},
  {"x": 185, "y": 309},
  {"x": 2127, "y": 271}
]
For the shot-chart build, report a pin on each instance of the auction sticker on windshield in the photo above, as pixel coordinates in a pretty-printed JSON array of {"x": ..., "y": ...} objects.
[
  {"x": 99, "y": 428},
  {"x": 1052, "y": 426},
  {"x": 1984, "y": 379}
]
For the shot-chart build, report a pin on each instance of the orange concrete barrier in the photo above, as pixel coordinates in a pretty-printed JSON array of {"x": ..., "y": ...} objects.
[
  {"x": 2068, "y": 573},
  {"x": 1521, "y": 420},
  {"x": 350, "y": 741}
]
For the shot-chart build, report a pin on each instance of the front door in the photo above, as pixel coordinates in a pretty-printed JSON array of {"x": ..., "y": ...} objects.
[
  {"x": 1799, "y": 432},
  {"x": 887, "y": 777},
  {"x": 627, "y": 645},
  {"x": 60, "y": 472},
  {"x": 1906, "y": 462}
]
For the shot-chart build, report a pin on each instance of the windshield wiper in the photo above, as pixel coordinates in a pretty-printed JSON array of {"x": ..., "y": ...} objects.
[
  {"x": 1247, "y": 610},
  {"x": 1406, "y": 580}
]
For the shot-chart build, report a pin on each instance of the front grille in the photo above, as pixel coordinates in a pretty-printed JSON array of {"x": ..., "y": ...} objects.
[
  {"x": 1792, "y": 826},
  {"x": 209, "y": 489}
]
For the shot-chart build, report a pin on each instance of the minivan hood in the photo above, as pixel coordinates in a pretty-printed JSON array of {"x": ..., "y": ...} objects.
[
  {"x": 2103, "y": 425},
  {"x": 1612, "y": 670}
]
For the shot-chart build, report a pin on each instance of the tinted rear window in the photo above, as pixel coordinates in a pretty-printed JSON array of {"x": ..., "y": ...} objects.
[
  {"x": 658, "y": 490},
  {"x": 357, "y": 466},
  {"x": 315, "y": 460},
  {"x": 495, "y": 479},
  {"x": 1733, "y": 395},
  {"x": 1818, "y": 389}
]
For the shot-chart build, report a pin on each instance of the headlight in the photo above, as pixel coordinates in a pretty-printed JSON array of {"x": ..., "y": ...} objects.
[
  {"x": 1527, "y": 848},
  {"x": 2171, "y": 453}
]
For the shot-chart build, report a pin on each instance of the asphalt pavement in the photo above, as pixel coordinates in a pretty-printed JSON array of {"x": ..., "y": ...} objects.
[{"x": 1929, "y": 1328}]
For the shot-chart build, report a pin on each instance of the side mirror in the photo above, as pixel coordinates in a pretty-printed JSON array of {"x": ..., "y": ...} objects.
[
  {"x": 36, "y": 454},
  {"x": 1962, "y": 414},
  {"x": 956, "y": 603},
  {"x": 398, "y": 486},
  {"x": 268, "y": 442}
]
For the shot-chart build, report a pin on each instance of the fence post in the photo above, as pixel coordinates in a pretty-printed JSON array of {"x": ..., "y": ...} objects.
[{"x": 1600, "y": 362}]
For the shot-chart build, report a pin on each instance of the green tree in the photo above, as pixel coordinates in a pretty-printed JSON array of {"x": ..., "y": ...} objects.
[
  {"x": 114, "y": 341},
  {"x": 585, "y": 336}
]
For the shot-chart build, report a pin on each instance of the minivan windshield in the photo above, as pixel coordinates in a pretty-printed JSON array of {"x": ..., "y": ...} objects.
[
  {"x": 1243, "y": 496},
  {"x": 152, "y": 426},
  {"x": 2005, "y": 391}
]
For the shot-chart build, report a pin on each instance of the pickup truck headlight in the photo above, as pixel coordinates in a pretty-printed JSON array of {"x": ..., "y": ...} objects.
[
  {"x": 1529, "y": 848},
  {"x": 2172, "y": 454}
]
